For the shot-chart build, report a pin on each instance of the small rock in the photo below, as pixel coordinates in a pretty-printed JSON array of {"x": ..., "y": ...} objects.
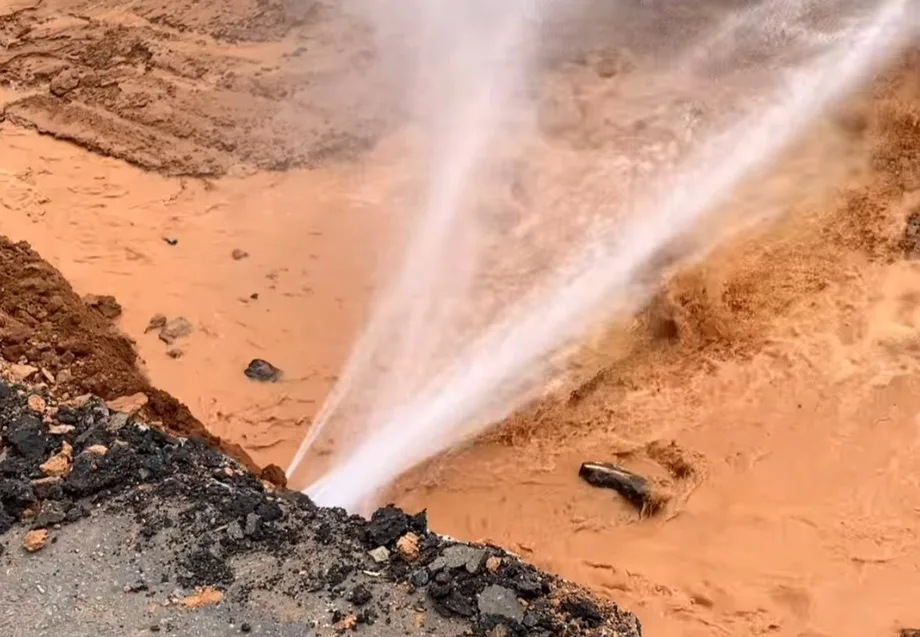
[
  {"x": 583, "y": 609},
  {"x": 60, "y": 430},
  {"x": 105, "y": 305},
  {"x": 493, "y": 564},
  {"x": 35, "y": 540},
  {"x": 60, "y": 463},
  {"x": 498, "y": 601},
  {"x": 51, "y": 513},
  {"x": 129, "y": 405},
  {"x": 387, "y": 525},
  {"x": 171, "y": 240},
  {"x": 262, "y": 371},
  {"x": 245, "y": 628},
  {"x": 29, "y": 439},
  {"x": 458, "y": 556},
  {"x": 346, "y": 623},
  {"x": 64, "y": 82},
  {"x": 238, "y": 254},
  {"x": 360, "y": 595},
  {"x": 253, "y": 525},
  {"x": 634, "y": 488},
  {"x": 235, "y": 531},
  {"x": 408, "y": 547},
  {"x": 175, "y": 352},
  {"x": 64, "y": 376},
  {"x": 419, "y": 578},
  {"x": 274, "y": 474},
  {"x": 203, "y": 597},
  {"x": 21, "y": 373},
  {"x": 175, "y": 329},
  {"x": 156, "y": 323},
  {"x": 48, "y": 375},
  {"x": 380, "y": 554},
  {"x": 37, "y": 404},
  {"x": 97, "y": 450}
]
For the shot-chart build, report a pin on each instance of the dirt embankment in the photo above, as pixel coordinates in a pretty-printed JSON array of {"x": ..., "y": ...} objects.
[
  {"x": 45, "y": 326},
  {"x": 187, "y": 528},
  {"x": 195, "y": 89}
]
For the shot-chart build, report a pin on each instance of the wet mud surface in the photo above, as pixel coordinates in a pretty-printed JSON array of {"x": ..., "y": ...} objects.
[{"x": 159, "y": 85}]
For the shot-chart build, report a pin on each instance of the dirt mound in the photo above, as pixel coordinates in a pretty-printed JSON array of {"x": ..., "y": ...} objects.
[
  {"x": 198, "y": 521},
  {"x": 153, "y": 87},
  {"x": 43, "y": 323}
]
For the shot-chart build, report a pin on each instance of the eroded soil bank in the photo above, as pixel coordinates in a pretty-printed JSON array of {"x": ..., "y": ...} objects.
[{"x": 111, "y": 523}]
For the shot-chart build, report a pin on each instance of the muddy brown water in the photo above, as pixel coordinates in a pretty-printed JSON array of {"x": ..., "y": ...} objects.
[{"x": 786, "y": 378}]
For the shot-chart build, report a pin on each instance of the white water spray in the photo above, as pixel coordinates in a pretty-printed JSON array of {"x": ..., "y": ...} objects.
[{"x": 435, "y": 392}]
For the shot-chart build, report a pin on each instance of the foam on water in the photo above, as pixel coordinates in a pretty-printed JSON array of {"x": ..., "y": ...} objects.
[{"x": 425, "y": 402}]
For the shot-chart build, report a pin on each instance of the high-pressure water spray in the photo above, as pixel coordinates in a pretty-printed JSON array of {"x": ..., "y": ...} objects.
[{"x": 436, "y": 391}]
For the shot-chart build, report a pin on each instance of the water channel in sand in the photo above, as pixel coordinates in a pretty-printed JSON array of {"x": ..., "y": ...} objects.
[{"x": 789, "y": 388}]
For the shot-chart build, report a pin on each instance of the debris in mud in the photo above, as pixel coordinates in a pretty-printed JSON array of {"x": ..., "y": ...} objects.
[
  {"x": 634, "y": 488},
  {"x": 262, "y": 371},
  {"x": 105, "y": 305},
  {"x": 157, "y": 322},
  {"x": 175, "y": 329},
  {"x": 35, "y": 540},
  {"x": 238, "y": 254},
  {"x": 64, "y": 82},
  {"x": 129, "y": 405}
]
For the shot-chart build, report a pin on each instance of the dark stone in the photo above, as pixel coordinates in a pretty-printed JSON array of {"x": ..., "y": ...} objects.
[
  {"x": 29, "y": 439},
  {"x": 245, "y": 628},
  {"x": 584, "y": 609},
  {"x": 634, "y": 488},
  {"x": 202, "y": 568},
  {"x": 419, "y": 578},
  {"x": 6, "y": 520},
  {"x": 16, "y": 495},
  {"x": 526, "y": 582},
  {"x": 337, "y": 574},
  {"x": 360, "y": 595},
  {"x": 52, "y": 513},
  {"x": 418, "y": 523},
  {"x": 262, "y": 371},
  {"x": 498, "y": 601},
  {"x": 269, "y": 511},
  {"x": 387, "y": 525}
]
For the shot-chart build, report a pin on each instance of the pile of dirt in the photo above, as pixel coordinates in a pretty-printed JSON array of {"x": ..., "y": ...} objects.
[
  {"x": 157, "y": 85},
  {"x": 208, "y": 532},
  {"x": 52, "y": 335}
]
